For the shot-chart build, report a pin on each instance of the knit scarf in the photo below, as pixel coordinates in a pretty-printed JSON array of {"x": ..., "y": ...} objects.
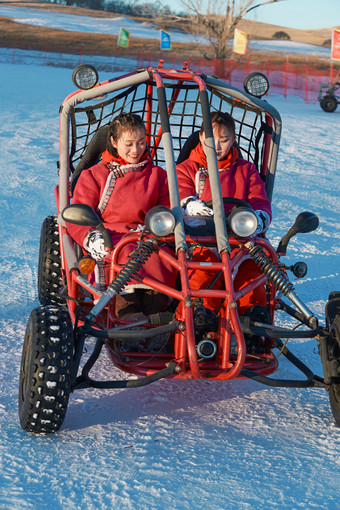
[
  {"x": 197, "y": 155},
  {"x": 118, "y": 167}
]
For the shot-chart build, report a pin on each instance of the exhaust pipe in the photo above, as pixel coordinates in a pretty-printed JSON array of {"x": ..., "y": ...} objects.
[{"x": 206, "y": 349}]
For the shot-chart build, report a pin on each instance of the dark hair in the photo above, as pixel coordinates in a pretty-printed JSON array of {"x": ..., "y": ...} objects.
[
  {"x": 122, "y": 122},
  {"x": 222, "y": 119}
]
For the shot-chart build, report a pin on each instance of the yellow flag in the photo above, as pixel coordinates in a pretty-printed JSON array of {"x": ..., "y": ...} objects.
[{"x": 240, "y": 42}]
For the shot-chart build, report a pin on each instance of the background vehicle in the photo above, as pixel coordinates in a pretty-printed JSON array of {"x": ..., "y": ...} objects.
[
  {"x": 225, "y": 346},
  {"x": 329, "y": 96}
]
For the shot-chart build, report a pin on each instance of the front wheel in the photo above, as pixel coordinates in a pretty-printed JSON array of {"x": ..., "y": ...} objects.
[
  {"x": 333, "y": 323},
  {"x": 49, "y": 264},
  {"x": 328, "y": 104},
  {"x": 46, "y": 370}
]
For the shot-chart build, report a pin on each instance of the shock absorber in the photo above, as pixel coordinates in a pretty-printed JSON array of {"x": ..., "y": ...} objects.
[
  {"x": 273, "y": 273},
  {"x": 280, "y": 281},
  {"x": 137, "y": 259}
]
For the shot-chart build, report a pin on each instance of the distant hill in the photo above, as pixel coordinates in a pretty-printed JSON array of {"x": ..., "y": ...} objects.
[
  {"x": 24, "y": 36},
  {"x": 255, "y": 29}
]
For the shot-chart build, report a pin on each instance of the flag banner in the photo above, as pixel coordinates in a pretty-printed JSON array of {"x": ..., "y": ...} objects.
[
  {"x": 123, "y": 39},
  {"x": 165, "y": 40},
  {"x": 240, "y": 42},
  {"x": 336, "y": 44}
]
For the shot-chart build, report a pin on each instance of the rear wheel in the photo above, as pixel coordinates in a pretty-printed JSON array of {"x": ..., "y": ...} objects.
[
  {"x": 328, "y": 104},
  {"x": 49, "y": 265},
  {"x": 333, "y": 323},
  {"x": 46, "y": 370}
]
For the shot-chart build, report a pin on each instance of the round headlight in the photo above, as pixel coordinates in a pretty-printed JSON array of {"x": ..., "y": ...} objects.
[
  {"x": 256, "y": 84},
  {"x": 243, "y": 221},
  {"x": 85, "y": 77},
  {"x": 160, "y": 221}
]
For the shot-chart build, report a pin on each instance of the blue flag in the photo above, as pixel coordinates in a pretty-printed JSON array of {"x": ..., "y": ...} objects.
[{"x": 165, "y": 40}]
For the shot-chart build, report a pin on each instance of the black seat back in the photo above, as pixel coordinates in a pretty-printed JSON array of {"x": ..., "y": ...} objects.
[{"x": 92, "y": 155}]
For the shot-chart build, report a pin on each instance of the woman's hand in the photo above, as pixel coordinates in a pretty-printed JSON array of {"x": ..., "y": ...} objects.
[
  {"x": 94, "y": 244},
  {"x": 193, "y": 206}
]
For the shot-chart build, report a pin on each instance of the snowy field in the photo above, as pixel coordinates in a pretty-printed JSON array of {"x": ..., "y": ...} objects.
[{"x": 173, "y": 445}]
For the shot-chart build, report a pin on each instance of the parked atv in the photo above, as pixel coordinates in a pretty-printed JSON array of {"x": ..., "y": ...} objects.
[
  {"x": 329, "y": 96},
  {"x": 198, "y": 344}
]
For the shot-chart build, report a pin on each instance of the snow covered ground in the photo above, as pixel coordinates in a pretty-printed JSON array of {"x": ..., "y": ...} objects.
[{"x": 172, "y": 445}]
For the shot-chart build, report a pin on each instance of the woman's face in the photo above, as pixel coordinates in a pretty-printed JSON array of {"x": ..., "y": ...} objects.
[
  {"x": 130, "y": 145},
  {"x": 223, "y": 138}
]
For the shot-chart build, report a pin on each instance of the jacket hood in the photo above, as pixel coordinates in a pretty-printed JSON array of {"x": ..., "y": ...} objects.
[
  {"x": 197, "y": 155},
  {"x": 107, "y": 157}
]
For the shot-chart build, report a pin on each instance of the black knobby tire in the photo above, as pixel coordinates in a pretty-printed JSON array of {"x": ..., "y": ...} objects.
[
  {"x": 46, "y": 370},
  {"x": 329, "y": 104},
  {"x": 334, "y": 392},
  {"x": 333, "y": 323},
  {"x": 49, "y": 264}
]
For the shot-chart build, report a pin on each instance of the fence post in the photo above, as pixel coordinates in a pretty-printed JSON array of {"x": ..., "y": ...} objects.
[
  {"x": 231, "y": 68},
  {"x": 268, "y": 67},
  {"x": 80, "y": 53},
  {"x": 44, "y": 60},
  {"x": 174, "y": 59},
  {"x": 307, "y": 80},
  {"x": 15, "y": 47},
  {"x": 286, "y": 78}
]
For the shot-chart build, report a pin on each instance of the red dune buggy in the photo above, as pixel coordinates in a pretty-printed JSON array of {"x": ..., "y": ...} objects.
[{"x": 198, "y": 343}]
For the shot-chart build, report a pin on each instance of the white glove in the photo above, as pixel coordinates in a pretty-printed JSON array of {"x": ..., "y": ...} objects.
[
  {"x": 193, "y": 206},
  {"x": 94, "y": 244},
  {"x": 139, "y": 228},
  {"x": 263, "y": 220}
]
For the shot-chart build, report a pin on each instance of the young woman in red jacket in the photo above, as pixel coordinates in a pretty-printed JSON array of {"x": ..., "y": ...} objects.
[
  {"x": 239, "y": 179},
  {"x": 122, "y": 188}
]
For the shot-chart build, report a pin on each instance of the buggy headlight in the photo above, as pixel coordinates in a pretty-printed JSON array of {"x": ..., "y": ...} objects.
[
  {"x": 243, "y": 221},
  {"x": 85, "y": 76},
  {"x": 256, "y": 84},
  {"x": 160, "y": 221}
]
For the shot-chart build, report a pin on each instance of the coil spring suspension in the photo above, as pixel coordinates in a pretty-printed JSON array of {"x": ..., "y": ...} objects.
[
  {"x": 274, "y": 275},
  {"x": 137, "y": 259}
]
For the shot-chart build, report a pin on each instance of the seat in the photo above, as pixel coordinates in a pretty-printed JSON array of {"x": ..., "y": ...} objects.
[{"x": 92, "y": 155}]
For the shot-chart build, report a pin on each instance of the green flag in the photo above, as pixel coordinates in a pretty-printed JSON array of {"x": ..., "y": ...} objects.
[{"x": 123, "y": 39}]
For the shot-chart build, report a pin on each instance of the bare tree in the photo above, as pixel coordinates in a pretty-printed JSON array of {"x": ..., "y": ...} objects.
[{"x": 214, "y": 20}]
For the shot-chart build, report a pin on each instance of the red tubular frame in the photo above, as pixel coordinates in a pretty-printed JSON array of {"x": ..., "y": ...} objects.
[
  {"x": 185, "y": 353},
  {"x": 226, "y": 365}
]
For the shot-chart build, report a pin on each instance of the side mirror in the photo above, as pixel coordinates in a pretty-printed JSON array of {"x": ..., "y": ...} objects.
[
  {"x": 305, "y": 222},
  {"x": 81, "y": 214},
  {"x": 85, "y": 215}
]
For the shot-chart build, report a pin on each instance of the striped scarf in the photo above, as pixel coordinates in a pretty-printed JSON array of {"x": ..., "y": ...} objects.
[{"x": 117, "y": 171}]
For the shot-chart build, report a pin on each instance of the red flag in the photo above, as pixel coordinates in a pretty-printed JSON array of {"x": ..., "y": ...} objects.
[{"x": 336, "y": 44}]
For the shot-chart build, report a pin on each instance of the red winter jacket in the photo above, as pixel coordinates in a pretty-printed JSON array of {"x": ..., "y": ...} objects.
[
  {"x": 239, "y": 179},
  {"x": 133, "y": 195}
]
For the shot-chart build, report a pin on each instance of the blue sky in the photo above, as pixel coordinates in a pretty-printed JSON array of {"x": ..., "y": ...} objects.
[{"x": 303, "y": 14}]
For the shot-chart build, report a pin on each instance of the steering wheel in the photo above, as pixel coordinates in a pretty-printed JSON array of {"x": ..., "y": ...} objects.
[{"x": 230, "y": 200}]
